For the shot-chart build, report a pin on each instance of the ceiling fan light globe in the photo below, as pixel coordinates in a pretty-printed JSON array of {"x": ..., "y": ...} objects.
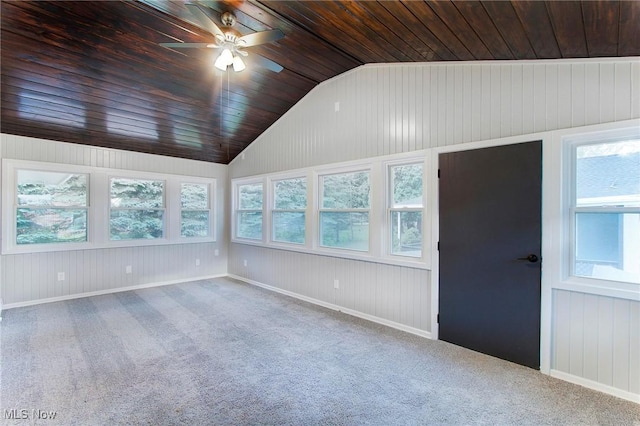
[
  {"x": 220, "y": 63},
  {"x": 226, "y": 56},
  {"x": 238, "y": 64}
]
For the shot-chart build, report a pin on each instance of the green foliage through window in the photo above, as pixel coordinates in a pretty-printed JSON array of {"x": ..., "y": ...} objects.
[
  {"x": 406, "y": 234},
  {"x": 288, "y": 216},
  {"x": 250, "y": 225},
  {"x": 194, "y": 220},
  {"x": 194, "y": 223},
  {"x": 51, "y": 207},
  {"x": 289, "y": 227},
  {"x": 348, "y": 230},
  {"x": 407, "y": 185},
  {"x": 136, "y": 224},
  {"x": 344, "y": 216},
  {"x": 405, "y": 215},
  {"x": 137, "y": 193},
  {"x": 194, "y": 196},
  {"x": 40, "y": 226},
  {"x": 249, "y": 214},
  {"x": 137, "y": 209},
  {"x": 250, "y": 197},
  {"x": 346, "y": 191},
  {"x": 290, "y": 194}
]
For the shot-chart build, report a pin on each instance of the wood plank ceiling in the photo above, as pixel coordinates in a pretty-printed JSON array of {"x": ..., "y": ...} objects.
[{"x": 93, "y": 72}]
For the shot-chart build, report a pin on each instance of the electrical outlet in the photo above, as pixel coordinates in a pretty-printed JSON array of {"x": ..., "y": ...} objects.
[
  {"x": 197, "y": 262},
  {"x": 128, "y": 269},
  {"x": 60, "y": 276},
  {"x": 245, "y": 262},
  {"x": 336, "y": 283},
  {"x": 216, "y": 252}
]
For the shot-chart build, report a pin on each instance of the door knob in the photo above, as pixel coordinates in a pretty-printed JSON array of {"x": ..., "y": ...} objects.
[{"x": 531, "y": 258}]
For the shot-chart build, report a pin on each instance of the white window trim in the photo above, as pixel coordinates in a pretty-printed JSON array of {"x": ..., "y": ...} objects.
[
  {"x": 98, "y": 208},
  {"x": 166, "y": 216},
  {"x": 322, "y": 209},
  {"x": 236, "y": 184},
  {"x": 211, "y": 194},
  {"x": 424, "y": 161},
  {"x": 40, "y": 207},
  {"x": 271, "y": 200},
  {"x": 568, "y": 142},
  {"x": 377, "y": 167}
]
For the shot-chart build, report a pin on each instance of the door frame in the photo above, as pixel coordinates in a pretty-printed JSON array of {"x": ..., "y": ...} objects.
[{"x": 546, "y": 247}]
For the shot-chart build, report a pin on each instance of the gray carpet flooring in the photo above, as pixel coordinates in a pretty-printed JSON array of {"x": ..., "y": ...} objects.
[{"x": 226, "y": 353}]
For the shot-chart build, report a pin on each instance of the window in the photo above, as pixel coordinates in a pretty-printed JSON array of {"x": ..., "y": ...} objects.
[
  {"x": 59, "y": 207},
  {"x": 371, "y": 210},
  {"x": 51, "y": 207},
  {"x": 249, "y": 211},
  {"x": 605, "y": 210},
  {"x": 344, "y": 210},
  {"x": 405, "y": 209},
  {"x": 195, "y": 211},
  {"x": 137, "y": 209},
  {"x": 288, "y": 214}
]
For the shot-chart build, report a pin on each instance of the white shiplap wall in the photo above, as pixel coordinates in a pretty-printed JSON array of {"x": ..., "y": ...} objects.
[
  {"x": 33, "y": 277},
  {"x": 388, "y": 109},
  {"x": 378, "y": 110},
  {"x": 393, "y": 295},
  {"x": 597, "y": 338},
  {"x": 28, "y": 278}
]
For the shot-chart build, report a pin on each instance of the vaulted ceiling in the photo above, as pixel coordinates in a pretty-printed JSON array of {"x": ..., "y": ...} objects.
[{"x": 93, "y": 72}]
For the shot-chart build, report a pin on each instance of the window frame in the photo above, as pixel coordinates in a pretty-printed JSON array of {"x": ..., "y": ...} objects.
[
  {"x": 572, "y": 210},
  {"x": 378, "y": 224},
  {"x": 237, "y": 210},
  {"x": 210, "y": 208},
  {"x": 16, "y": 206},
  {"x": 390, "y": 207},
  {"x": 321, "y": 209},
  {"x": 163, "y": 209},
  {"x": 99, "y": 206},
  {"x": 272, "y": 209}
]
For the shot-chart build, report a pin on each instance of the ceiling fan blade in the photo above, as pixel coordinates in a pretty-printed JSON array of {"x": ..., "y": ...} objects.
[
  {"x": 260, "y": 37},
  {"x": 263, "y": 62},
  {"x": 204, "y": 19},
  {"x": 187, "y": 45}
]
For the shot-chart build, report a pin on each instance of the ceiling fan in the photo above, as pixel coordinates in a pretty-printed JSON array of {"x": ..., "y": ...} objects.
[{"x": 230, "y": 41}]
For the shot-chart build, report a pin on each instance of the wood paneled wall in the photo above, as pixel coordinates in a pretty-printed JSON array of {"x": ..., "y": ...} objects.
[{"x": 26, "y": 278}]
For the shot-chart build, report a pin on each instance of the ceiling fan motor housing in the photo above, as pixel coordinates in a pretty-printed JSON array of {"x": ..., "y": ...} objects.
[{"x": 228, "y": 19}]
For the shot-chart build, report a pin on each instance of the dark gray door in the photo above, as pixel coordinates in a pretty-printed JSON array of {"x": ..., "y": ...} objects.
[{"x": 490, "y": 227}]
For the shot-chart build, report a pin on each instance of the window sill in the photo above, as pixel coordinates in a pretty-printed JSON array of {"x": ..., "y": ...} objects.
[
  {"x": 44, "y": 248},
  {"x": 617, "y": 289},
  {"x": 342, "y": 254}
]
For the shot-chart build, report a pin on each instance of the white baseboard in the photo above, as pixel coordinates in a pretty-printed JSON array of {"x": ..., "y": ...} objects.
[
  {"x": 591, "y": 384},
  {"x": 338, "y": 308},
  {"x": 108, "y": 291}
]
